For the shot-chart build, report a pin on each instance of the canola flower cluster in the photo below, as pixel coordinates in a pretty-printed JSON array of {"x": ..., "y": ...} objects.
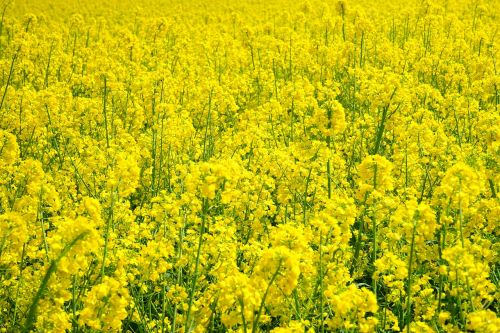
[{"x": 249, "y": 166}]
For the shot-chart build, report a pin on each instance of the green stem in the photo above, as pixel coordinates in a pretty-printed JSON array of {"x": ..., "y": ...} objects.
[
  {"x": 242, "y": 305},
  {"x": 109, "y": 220},
  {"x": 104, "y": 99},
  {"x": 381, "y": 127},
  {"x": 263, "y": 301},
  {"x": 408, "y": 291},
  {"x": 196, "y": 265},
  {"x": 30, "y": 318},
  {"x": 492, "y": 188},
  {"x": 11, "y": 71},
  {"x": 321, "y": 305}
]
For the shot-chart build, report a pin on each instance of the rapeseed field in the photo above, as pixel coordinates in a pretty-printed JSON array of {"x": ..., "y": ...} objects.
[{"x": 249, "y": 166}]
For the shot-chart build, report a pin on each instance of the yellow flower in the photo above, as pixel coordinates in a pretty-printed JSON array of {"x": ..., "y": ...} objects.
[
  {"x": 375, "y": 172},
  {"x": 105, "y": 306}
]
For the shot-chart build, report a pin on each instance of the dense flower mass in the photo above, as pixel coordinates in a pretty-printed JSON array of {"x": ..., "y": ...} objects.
[{"x": 249, "y": 166}]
